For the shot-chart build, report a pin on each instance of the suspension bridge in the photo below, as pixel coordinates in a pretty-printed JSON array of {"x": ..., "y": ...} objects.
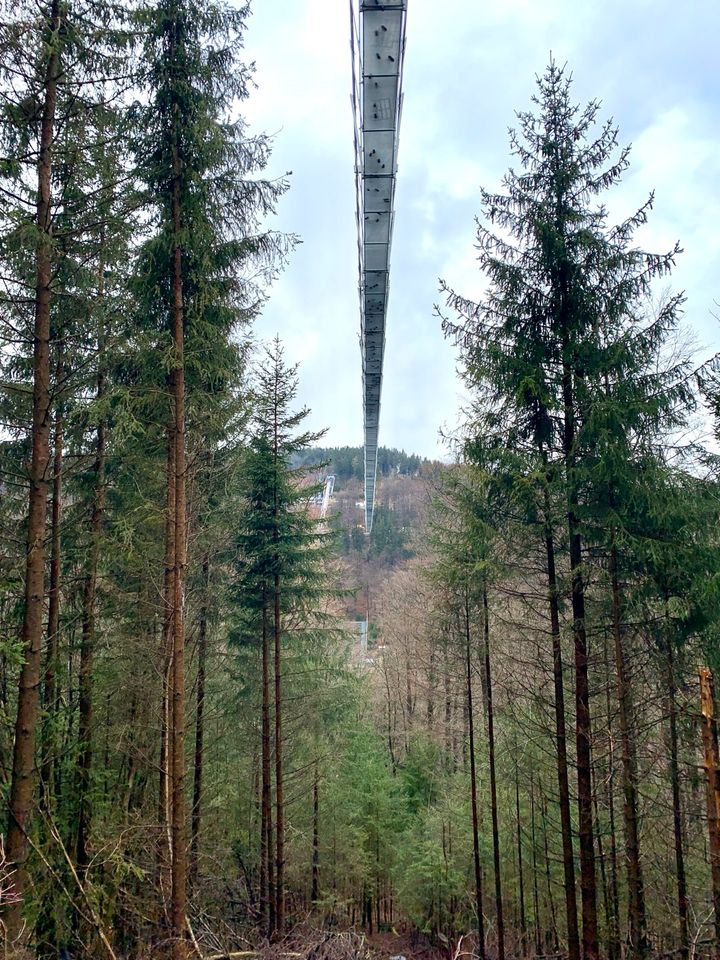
[{"x": 378, "y": 50}]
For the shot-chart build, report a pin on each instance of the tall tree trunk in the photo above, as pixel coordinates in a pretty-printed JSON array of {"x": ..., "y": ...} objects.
[
  {"x": 607, "y": 906},
  {"x": 521, "y": 875},
  {"x": 548, "y": 877},
  {"x": 315, "y": 891},
  {"x": 712, "y": 780},
  {"x": 87, "y": 646},
  {"x": 493, "y": 779},
  {"x": 177, "y": 731},
  {"x": 682, "y": 896},
  {"x": 638, "y": 945},
  {"x": 267, "y": 874},
  {"x": 614, "y": 900},
  {"x": 196, "y": 818},
  {"x": 21, "y": 788},
  {"x": 571, "y": 915},
  {"x": 164, "y": 846},
  {"x": 473, "y": 790},
  {"x": 50, "y": 694},
  {"x": 582, "y": 688},
  {"x": 279, "y": 794},
  {"x": 536, "y": 897}
]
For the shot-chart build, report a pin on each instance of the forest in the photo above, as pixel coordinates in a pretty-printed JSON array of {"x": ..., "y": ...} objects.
[{"x": 233, "y": 724}]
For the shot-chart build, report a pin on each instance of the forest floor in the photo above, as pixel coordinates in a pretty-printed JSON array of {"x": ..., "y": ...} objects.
[
  {"x": 387, "y": 945},
  {"x": 351, "y": 945}
]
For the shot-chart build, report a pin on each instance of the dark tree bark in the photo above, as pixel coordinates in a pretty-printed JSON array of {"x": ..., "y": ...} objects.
[
  {"x": 279, "y": 792},
  {"x": 561, "y": 743},
  {"x": 177, "y": 730},
  {"x": 164, "y": 845},
  {"x": 637, "y": 932},
  {"x": 536, "y": 897},
  {"x": 267, "y": 873},
  {"x": 473, "y": 790},
  {"x": 22, "y": 786},
  {"x": 583, "y": 731},
  {"x": 614, "y": 899},
  {"x": 548, "y": 877},
  {"x": 493, "y": 779},
  {"x": 315, "y": 890},
  {"x": 521, "y": 874}
]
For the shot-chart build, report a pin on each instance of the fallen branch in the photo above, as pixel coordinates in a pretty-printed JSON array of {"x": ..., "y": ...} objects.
[{"x": 235, "y": 955}]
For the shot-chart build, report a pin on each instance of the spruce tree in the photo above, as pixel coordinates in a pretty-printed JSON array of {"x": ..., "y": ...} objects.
[
  {"x": 197, "y": 165},
  {"x": 281, "y": 583},
  {"x": 563, "y": 300}
]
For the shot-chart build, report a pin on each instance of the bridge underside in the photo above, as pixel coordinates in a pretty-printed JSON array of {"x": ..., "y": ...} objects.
[{"x": 378, "y": 44}]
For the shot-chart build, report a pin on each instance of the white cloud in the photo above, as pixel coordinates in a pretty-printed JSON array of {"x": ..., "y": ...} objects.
[{"x": 468, "y": 67}]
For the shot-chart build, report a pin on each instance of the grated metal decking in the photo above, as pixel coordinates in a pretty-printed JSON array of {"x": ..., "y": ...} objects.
[{"x": 378, "y": 50}]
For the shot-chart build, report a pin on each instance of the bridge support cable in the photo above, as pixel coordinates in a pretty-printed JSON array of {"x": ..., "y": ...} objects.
[{"x": 378, "y": 51}]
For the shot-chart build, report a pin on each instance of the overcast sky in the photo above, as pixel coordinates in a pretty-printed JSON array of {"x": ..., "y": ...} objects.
[{"x": 469, "y": 65}]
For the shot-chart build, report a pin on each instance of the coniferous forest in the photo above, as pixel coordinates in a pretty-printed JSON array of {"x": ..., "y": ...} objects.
[{"x": 232, "y": 724}]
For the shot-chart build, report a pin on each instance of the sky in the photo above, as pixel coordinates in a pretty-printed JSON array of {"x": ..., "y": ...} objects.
[{"x": 469, "y": 65}]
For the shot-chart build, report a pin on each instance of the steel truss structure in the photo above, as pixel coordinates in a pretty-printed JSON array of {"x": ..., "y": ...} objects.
[{"x": 378, "y": 51}]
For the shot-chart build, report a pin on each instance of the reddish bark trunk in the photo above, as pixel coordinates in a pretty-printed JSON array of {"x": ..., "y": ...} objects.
[
  {"x": 199, "y": 730},
  {"x": 682, "y": 896},
  {"x": 712, "y": 781},
  {"x": 22, "y": 786}
]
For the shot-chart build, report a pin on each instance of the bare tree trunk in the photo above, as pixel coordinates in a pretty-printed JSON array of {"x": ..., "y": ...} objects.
[
  {"x": 712, "y": 779},
  {"x": 196, "y": 817},
  {"x": 536, "y": 897},
  {"x": 493, "y": 780},
  {"x": 521, "y": 875},
  {"x": 603, "y": 872},
  {"x": 682, "y": 896},
  {"x": 87, "y": 647},
  {"x": 583, "y": 740},
  {"x": 571, "y": 915},
  {"x": 267, "y": 873},
  {"x": 279, "y": 795},
  {"x": 614, "y": 900},
  {"x": 50, "y": 694},
  {"x": 638, "y": 945},
  {"x": 22, "y": 787},
  {"x": 548, "y": 878},
  {"x": 315, "y": 891},
  {"x": 164, "y": 847},
  {"x": 177, "y": 730},
  {"x": 430, "y": 707},
  {"x": 473, "y": 791}
]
